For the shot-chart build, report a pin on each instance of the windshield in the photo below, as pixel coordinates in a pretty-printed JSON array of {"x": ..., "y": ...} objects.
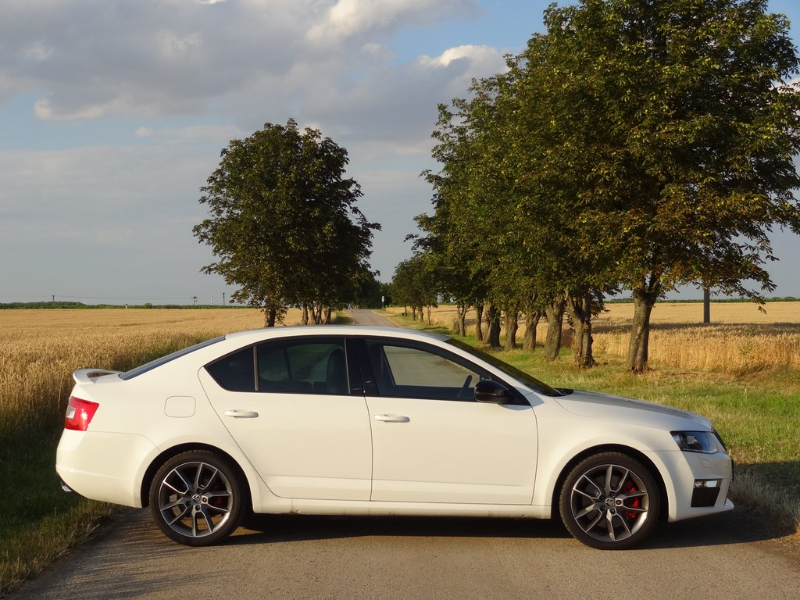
[{"x": 531, "y": 382}]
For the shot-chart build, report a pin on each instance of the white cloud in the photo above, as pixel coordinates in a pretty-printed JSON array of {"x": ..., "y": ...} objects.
[
  {"x": 249, "y": 61},
  {"x": 38, "y": 51},
  {"x": 164, "y": 69},
  {"x": 45, "y": 110},
  {"x": 175, "y": 46},
  {"x": 350, "y": 18},
  {"x": 211, "y": 133}
]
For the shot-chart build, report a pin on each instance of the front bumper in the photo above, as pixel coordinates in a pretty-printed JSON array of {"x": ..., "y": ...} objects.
[{"x": 697, "y": 484}]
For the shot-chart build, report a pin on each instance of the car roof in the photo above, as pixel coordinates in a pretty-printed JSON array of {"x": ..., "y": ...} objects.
[{"x": 342, "y": 330}]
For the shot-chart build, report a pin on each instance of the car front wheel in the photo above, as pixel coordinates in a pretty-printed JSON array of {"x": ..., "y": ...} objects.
[
  {"x": 610, "y": 501},
  {"x": 196, "y": 498}
]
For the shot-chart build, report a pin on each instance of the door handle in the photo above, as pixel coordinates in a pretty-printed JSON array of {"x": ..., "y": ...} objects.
[
  {"x": 241, "y": 414},
  {"x": 392, "y": 418}
]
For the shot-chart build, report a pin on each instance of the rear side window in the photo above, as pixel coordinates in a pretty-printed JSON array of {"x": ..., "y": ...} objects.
[
  {"x": 294, "y": 366},
  {"x": 235, "y": 372},
  {"x": 313, "y": 366}
]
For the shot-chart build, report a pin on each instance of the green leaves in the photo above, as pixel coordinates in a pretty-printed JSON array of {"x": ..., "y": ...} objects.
[
  {"x": 283, "y": 220},
  {"x": 638, "y": 143}
]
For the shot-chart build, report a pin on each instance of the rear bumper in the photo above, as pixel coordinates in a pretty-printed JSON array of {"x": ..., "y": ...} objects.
[{"x": 103, "y": 466}]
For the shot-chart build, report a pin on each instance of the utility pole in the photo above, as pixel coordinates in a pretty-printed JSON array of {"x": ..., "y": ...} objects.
[{"x": 223, "y": 298}]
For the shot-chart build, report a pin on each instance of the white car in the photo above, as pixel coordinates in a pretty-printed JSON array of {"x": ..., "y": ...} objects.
[{"x": 379, "y": 421}]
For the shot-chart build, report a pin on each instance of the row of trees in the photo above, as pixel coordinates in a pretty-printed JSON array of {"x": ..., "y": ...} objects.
[
  {"x": 636, "y": 145},
  {"x": 284, "y": 225}
]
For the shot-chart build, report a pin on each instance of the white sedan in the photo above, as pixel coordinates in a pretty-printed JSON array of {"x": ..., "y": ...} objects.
[{"x": 379, "y": 421}]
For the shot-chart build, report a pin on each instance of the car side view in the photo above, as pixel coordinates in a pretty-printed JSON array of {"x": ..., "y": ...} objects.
[{"x": 379, "y": 421}]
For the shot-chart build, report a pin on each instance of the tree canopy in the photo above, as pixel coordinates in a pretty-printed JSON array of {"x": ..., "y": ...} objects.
[
  {"x": 284, "y": 224},
  {"x": 636, "y": 144}
]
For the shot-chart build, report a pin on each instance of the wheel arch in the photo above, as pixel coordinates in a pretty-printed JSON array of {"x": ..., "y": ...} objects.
[
  {"x": 627, "y": 450},
  {"x": 155, "y": 464}
]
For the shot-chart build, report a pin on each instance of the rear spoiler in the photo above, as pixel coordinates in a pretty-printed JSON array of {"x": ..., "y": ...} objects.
[{"x": 89, "y": 375}]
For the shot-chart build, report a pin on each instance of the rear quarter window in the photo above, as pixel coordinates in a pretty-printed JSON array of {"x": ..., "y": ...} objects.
[{"x": 235, "y": 372}]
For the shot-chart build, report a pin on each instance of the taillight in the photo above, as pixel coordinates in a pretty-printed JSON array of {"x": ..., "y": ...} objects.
[{"x": 79, "y": 414}]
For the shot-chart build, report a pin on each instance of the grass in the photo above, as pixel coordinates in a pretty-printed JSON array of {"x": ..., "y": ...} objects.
[
  {"x": 40, "y": 522},
  {"x": 756, "y": 411}
]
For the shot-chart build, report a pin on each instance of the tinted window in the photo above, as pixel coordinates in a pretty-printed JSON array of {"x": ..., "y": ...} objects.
[
  {"x": 235, "y": 372},
  {"x": 516, "y": 373},
  {"x": 311, "y": 366},
  {"x": 411, "y": 371}
]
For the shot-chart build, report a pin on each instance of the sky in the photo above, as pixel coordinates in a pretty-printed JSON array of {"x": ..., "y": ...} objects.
[{"x": 113, "y": 114}]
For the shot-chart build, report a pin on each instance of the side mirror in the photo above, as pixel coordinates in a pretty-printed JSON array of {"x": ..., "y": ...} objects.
[{"x": 490, "y": 391}]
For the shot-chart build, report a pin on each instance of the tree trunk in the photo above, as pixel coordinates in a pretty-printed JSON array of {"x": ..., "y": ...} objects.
[
  {"x": 643, "y": 302},
  {"x": 532, "y": 318},
  {"x": 580, "y": 310},
  {"x": 555, "y": 320},
  {"x": 414, "y": 312},
  {"x": 315, "y": 314},
  {"x": 479, "y": 323},
  {"x": 328, "y": 314},
  {"x": 429, "y": 315},
  {"x": 493, "y": 317},
  {"x": 270, "y": 314},
  {"x": 305, "y": 314},
  {"x": 461, "y": 310},
  {"x": 512, "y": 325}
]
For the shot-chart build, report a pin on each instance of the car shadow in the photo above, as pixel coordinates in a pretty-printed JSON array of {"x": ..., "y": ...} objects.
[{"x": 742, "y": 525}]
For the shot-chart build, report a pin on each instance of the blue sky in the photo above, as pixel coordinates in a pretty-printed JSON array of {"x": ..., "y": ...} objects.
[{"x": 113, "y": 114}]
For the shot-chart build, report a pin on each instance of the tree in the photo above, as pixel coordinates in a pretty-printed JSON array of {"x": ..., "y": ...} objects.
[
  {"x": 283, "y": 222},
  {"x": 414, "y": 284},
  {"x": 684, "y": 109}
]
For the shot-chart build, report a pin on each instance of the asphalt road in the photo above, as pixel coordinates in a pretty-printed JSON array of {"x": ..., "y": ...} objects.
[
  {"x": 731, "y": 556},
  {"x": 727, "y": 556},
  {"x": 367, "y": 317}
]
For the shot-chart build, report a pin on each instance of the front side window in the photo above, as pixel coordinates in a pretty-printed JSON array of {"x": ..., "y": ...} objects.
[{"x": 410, "y": 371}]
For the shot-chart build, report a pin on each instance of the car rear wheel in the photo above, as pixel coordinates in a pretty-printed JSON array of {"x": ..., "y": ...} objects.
[
  {"x": 610, "y": 501},
  {"x": 196, "y": 498}
]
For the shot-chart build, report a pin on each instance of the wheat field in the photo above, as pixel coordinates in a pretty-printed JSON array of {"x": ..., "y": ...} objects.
[
  {"x": 740, "y": 338},
  {"x": 39, "y": 349}
]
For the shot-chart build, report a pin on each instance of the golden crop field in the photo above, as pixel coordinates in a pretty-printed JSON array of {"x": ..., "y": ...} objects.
[
  {"x": 39, "y": 349},
  {"x": 740, "y": 338}
]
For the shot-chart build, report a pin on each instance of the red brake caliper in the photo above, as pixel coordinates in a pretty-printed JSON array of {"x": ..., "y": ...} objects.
[{"x": 629, "y": 488}]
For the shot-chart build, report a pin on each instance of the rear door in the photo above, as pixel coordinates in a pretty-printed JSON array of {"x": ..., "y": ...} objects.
[{"x": 299, "y": 414}]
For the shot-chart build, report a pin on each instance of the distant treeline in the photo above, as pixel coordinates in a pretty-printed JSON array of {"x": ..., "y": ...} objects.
[{"x": 44, "y": 305}]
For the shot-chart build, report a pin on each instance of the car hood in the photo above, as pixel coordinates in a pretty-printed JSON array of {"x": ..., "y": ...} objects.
[{"x": 617, "y": 408}]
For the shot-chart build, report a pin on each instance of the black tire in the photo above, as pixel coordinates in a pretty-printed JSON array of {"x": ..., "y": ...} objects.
[
  {"x": 610, "y": 501},
  {"x": 196, "y": 498}
]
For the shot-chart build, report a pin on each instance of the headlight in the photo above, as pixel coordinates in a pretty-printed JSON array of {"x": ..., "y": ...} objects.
[{"x": 696, "y": 441}]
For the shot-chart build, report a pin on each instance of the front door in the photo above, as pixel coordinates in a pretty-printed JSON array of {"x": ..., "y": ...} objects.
[{"x": 432, "y": 442}]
